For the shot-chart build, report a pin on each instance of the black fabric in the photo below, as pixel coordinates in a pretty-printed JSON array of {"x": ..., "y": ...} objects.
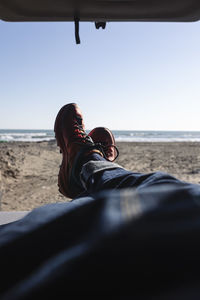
[
  {"x": 101, "y": 10},
  {"x": 130, "y": 244}
]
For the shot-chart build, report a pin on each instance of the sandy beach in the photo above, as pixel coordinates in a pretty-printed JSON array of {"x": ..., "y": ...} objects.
[{"x": 28, "y": 176}]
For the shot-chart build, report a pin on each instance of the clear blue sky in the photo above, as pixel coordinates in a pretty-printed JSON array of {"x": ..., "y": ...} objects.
[{"x": 137, "y": 76}]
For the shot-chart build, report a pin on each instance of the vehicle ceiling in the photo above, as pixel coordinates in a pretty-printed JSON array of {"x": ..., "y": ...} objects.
[{"x": 100, "y": 10}]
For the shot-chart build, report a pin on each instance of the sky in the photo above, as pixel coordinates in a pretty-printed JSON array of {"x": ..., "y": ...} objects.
[{"x": 130, "y": 76}]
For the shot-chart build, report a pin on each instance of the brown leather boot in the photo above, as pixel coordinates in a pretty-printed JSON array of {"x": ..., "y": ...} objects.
[
  {"x": 104, "y": 136},
  {"x": 74, "y": 143}
]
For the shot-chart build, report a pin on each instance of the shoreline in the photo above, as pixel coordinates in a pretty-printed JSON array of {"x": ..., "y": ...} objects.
[
  {"x": 29, "y": 170},
  {"x": 117, "y": 142}
]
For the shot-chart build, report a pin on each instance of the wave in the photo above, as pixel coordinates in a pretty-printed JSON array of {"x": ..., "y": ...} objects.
[
  {"x": 120, "y": 136},
  {"x": 26, "y": 136}
]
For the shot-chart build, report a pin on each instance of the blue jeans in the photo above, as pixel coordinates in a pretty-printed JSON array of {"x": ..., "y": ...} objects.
[
  {"x": 129, "y": 235},
  {"x": 97, "y": 175}
]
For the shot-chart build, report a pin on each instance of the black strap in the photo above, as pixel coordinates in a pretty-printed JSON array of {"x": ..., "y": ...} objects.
[{"x": 77, "y": 37}]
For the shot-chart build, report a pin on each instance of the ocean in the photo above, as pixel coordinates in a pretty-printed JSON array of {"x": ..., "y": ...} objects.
[{"x": 120, "y": 136}]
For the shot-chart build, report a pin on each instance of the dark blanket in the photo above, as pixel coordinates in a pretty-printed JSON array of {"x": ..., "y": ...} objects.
[{"x": 141, "y": 244}]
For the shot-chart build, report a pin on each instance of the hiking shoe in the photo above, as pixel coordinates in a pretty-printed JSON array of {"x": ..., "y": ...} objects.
[
  {"x": 74, "y": 143},
  {"x": 104, "y": 137}
]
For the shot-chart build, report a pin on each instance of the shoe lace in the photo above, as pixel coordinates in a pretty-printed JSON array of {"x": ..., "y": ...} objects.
[
  {"x": 105, "y": 149},
  {"x": 79, "y": 134}
]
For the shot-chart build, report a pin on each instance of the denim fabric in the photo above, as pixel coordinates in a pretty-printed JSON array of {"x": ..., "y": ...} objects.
[
  {"x": 97, "y": 175},
  {"x": 129, "y": 244},
  {"x": 137, "y": 240},
  {"x": 93, "y": 167}
]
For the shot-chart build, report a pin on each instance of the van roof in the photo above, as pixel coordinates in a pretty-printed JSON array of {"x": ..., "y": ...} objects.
[{"x": 100, "y": 10}]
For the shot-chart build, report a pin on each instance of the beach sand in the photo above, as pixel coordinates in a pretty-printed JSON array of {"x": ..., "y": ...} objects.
[{"x": 28, "y": 176}]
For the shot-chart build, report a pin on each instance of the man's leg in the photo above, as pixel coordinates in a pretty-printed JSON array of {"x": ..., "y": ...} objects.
[
  {"x": 97, "y": 174},
  {"x": 76, "y": 146},
  {"x": 86, "y": 164}
]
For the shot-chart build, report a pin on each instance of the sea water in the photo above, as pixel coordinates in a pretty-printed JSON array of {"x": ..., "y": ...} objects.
[{"x": 120, "y": 136}]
